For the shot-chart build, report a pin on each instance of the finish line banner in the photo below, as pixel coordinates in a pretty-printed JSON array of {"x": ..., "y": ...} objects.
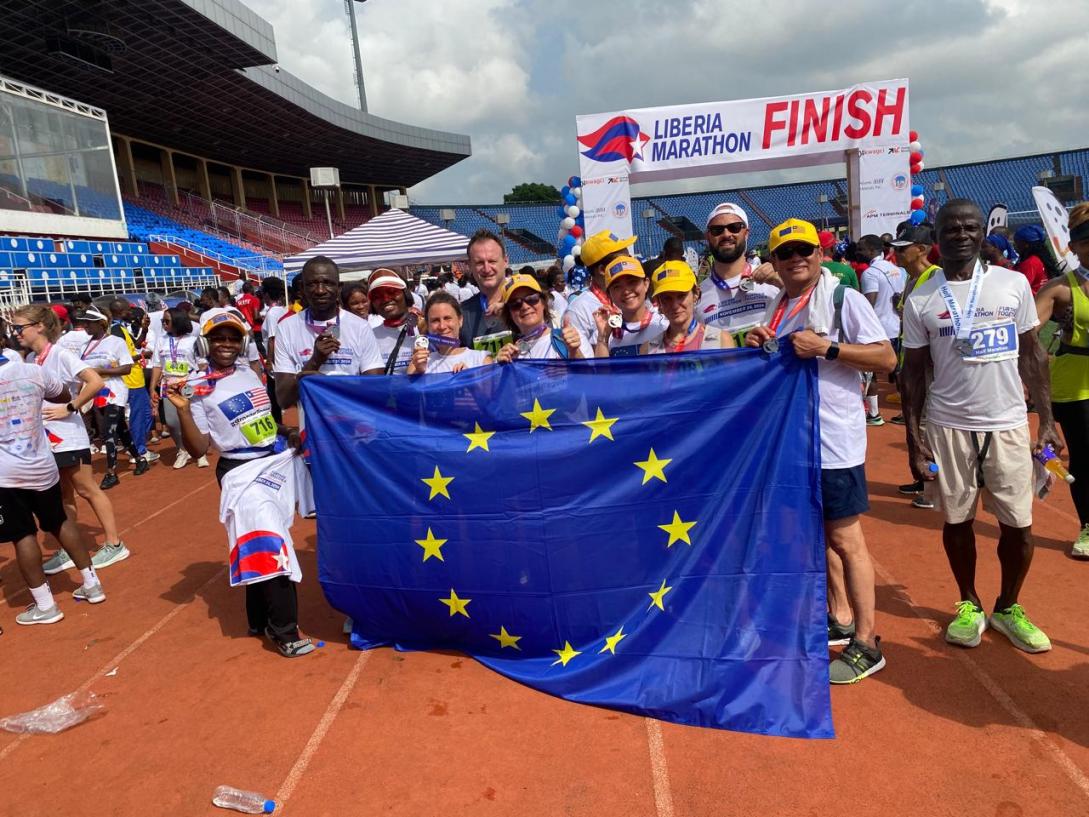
[
  {"x": 711, "y": 138},
  {"x": 592, "y": 529}
]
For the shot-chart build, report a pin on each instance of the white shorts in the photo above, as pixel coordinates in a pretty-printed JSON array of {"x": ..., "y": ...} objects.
[{"x": 1007, "y": 474}]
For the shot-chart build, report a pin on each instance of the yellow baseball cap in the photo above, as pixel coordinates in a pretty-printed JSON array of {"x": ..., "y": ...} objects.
[
  {"x": 619, "y": 267},
  {"x": 793, "y": 229},
  {"x": 673, "y": 276},
  {"x": 601, "y": 244},
  {"x": 519, "y": 281},
  {"x": 214, "y": 318}
]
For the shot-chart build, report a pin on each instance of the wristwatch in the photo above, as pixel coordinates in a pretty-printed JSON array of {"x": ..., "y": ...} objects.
[
  {"x": 71, "y": 409},
  {"x": 833, "y": 351}
]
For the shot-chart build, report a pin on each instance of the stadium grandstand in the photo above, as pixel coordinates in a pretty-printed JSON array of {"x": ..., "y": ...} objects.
[{"x": 157, "y": 144}]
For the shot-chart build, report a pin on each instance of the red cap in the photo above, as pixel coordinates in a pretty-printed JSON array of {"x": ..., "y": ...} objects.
[
  {"x": 826, "y": 238},
  {"x": 60, "y": 311}
]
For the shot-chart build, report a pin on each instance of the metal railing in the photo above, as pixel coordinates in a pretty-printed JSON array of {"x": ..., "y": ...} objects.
[
  {"x": 259, "y": 265},
  {"x": 265, "y": 230}
]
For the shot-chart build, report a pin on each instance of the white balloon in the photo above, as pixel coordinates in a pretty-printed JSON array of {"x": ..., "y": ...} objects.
[
  {"x": 577, "y": 191},
  {"x": 922, "y": 166},
  {"x": 568, "y": 263},
  {"x": 573, "y": 211},
  {"x": 576, "y": 251},
  {"x": 915, "y": 146},
  {"x": 567, "y": 223},
  {"x": 559, "y": 235}
]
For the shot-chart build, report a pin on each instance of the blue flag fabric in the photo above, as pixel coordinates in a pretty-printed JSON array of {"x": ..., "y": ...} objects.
[{"x": 643, "y": 534}]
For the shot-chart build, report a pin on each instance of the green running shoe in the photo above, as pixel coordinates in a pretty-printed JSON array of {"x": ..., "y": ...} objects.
[
  {"x": 1080, "y": 550},
  {"x": 1022, "y": 633},
  {"x": 967, "y": 628}
]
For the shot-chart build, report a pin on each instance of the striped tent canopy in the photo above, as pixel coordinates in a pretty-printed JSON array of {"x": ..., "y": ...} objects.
[{"x": 392, "y": 239}]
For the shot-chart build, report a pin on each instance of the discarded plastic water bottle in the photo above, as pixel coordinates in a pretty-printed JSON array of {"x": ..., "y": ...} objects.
[
  {"x": 1052, "y": 463},
  {"x": 248, "y": 802},
  {"x": 930, "y": 486}
]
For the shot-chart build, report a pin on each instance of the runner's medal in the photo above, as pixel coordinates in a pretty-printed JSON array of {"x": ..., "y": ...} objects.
[
  {"x": 525, "y": 343},
  {"x": 333, "y": 331},
  {"x": 771, "y": 345},
  {"x": 615, "y": 321},
  {"x": 963, "y": 347},
  {"x": 187, "y": 391},
  {"x": 747, "y": 284},
  {"x": 421, "y": 342}
]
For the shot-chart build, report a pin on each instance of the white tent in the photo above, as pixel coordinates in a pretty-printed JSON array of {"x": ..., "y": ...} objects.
[{"x": 392, "y": 239}]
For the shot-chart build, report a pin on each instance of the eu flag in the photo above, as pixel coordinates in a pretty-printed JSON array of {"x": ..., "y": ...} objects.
[{"x": 642, "y": 533}]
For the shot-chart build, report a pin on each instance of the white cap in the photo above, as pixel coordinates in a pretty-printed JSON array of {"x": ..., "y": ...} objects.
[{"x": 728, "y": 209}]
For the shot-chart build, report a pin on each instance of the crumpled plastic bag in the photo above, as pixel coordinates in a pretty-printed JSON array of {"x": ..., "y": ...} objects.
[{"x": 64, "y": 713}]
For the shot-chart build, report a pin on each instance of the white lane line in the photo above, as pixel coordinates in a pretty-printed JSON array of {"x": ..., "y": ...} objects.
[
  {"x": 321, "y": 730},
  {"x": 1023, "y": 719},
  {"x": 663, "y": 797}
]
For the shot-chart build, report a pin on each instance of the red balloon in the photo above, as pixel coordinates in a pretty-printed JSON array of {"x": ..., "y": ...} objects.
[
  {"x": 916, "y": 158},
  {"x": 916, "y": 169},
  {"x": 916, "y": 205},
  {"x": 913, "y": 136},
  {"x": 576, "y": 231}
]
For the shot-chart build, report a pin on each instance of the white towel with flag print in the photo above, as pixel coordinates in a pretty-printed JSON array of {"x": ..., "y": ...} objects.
[{"x": 257, "y": 507}]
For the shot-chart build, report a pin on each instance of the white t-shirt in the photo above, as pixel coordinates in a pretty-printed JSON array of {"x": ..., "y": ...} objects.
[
  {"x": 69, "y": 434},
  {"x": 386, "y": 337},
  {"x": 74, "y": 341},
  {"x": 108, "y": 352},
  {"x": 25, "y": 458},
  {"x": 453, "y": 290},
  {"x": 843, "y": 420},
  {"x": 155, "y": 329},
  {"x": 466, "y": 291},
  {"x": 176, "y": 356},
  {"x": 558, "y": 304},
  {"x": 272, "y": 318},
  {"x": 973, "y": 396},
  {"x": 580, "y": 312},
  {"x": 437, "y": 364},
  {"x": 542, "y": 348},
  {"x": 237, "y": 415},
  {"x": 888, "y": 281},
  {"x": 627, "y": 345},
  {"x": 733, "y": 309},
  {"x": 358, "y": 349}
]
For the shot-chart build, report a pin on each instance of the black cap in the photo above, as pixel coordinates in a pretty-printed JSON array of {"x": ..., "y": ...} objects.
[{"x": 913, "y": 234}]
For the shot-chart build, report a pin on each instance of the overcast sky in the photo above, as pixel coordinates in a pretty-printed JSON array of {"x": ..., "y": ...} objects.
[{"x": 989, "y": 78}]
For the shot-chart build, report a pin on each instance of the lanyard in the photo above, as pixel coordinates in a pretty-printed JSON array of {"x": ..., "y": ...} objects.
[
  {"x": 209, "y": 379},
  {"x": 963, "y": 323},
  {"x": 318, "y": 328},
  {"x": 40, "y": 359},
  {"x": 173, "y": 349},
  {"x": 90, "y": 347},
  {"x": 683, "y": 343},
  {"x": 1083, "y": 273},
  {"x": 601, "y": 296},
  {"x": 777, "y": 318},
  {"x": 643, "y": 324},
  {"x": 483, "y": 304},
  {"x": 525, "y": 343},
  {"x": 442, "y": 340}
]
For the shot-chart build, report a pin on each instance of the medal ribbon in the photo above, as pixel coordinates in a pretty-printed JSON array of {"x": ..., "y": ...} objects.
[
  {"x": 963, "y": 323},
  {"x": 777, "y": 318}
]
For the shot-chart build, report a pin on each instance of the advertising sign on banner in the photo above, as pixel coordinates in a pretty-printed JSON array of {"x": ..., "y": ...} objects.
[
  {"x": 606, "y": 204},
  {"x": 883, "y": 190},
  {"x": 710, "y": 138}
]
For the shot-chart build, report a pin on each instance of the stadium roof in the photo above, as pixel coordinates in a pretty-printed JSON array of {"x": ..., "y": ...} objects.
[{"x": 199, "y": 76}]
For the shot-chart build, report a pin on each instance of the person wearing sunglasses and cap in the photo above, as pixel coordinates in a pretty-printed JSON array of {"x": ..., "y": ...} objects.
[
  {"x": 676, "y": 294},
  {"x": 395, "y": 319},
  {"x": 598, "y": 251},
  {"x": 528, "y": 315},
  {"x": 623, "y": 334},
  {"x": 227, "y": 407},
  {"x": 846, "y": 339},
  {"x": 734, "y": 296}
]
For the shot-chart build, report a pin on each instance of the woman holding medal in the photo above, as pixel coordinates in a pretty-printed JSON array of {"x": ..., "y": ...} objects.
[
  {"x": 439, "y": 350},
  {"x": 527, "y": 313},
  {"x": 676, "y": 294},
  {"x": 227, "y": 407},
  {"x": 172, "y": 359},
  {"x": 397, "y": 319},
  {"x": 623, "y": 334}
]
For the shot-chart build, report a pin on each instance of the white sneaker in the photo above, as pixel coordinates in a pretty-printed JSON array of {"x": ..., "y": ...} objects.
[
  {"x": 33, "y": 615},
  {"x": 182, "y": 459},
  {"x": 151, "y": 456},
  {"x": 202, "y": 462}
]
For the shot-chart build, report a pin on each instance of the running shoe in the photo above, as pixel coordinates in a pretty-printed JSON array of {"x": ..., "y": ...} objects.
[
  {"x": 154, "y": 440},
  {"x": 109, "y": 554},
  {"x": 920, "y": 501},
  {"x": 151, "y": 456},
  {"x": 1080, "y": 550},
  {"x": 1022, "y": 633},
  {"x": 874, "y": 420},
  {"x": 202, "y": 462},
  {"x": 93, "y": 594},
  {"x": 165, "y": 433},
  {"x": 856, "y": 662},
  {"x": 967, "y": 628},
  {"x": 32, "y": 615},
  {"x": 182, "y": 459},
  {"x": 839, "y": 635},
  {"x": 898, "y": 420},
  {"x": 142, "y": 467},
  {"x": 109, "y": 481},
  {"x": 910, "y": 488},
  {"x": 58, "y": 563}
]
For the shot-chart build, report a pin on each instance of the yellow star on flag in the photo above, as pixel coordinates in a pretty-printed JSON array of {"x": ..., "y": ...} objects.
[
  {"x": 432, "y": 547},
  {"x": 538, "y": 418},
  {"x": 437, "y": 484},
  {"x": 653, "y": 467},
  {"x": 566, "y": 654},
  {"x": 600, "y": 426},
  {"x": 505, "y": 639},
  {"x": 456, "y": 605},
  {"x": 678, "y": 530},
  {"x": 656, "y": 597},
  {"x": 612, "y": 640},
  {"x": 478, "y": 438}
]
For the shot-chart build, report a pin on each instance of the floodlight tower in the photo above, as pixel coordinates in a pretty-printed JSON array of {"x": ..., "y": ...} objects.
[{"x": 350, "y": 7}]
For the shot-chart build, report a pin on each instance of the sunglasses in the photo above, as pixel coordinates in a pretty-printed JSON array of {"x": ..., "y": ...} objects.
[
  {"x": 791, "y": 250},
  {"x": 18, "y": 328},
  {"x": 734, "y": 227},
  {"x": 531, "y": 300}
]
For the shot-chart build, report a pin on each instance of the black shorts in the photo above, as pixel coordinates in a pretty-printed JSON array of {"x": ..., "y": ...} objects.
[
  {"x": 843, "y": 492},
  {"x": 20, "y": 506},
  {"x": 66, "y": 459}
]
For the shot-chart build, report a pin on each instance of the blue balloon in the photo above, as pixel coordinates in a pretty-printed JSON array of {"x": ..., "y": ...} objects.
[
  {"x": 570, "y": 198},
  {"x": 576, "y": 181},
  {"x": 918, "y": 216},
  {"x": 565, "y": 190},
  {"x": 567, "y": 243},
  {"x": 917, "y": 190},
  {"x": 580, "y": 220}
]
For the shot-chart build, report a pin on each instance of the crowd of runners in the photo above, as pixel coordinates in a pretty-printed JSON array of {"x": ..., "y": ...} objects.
[{"x": 947, "y": 313}]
